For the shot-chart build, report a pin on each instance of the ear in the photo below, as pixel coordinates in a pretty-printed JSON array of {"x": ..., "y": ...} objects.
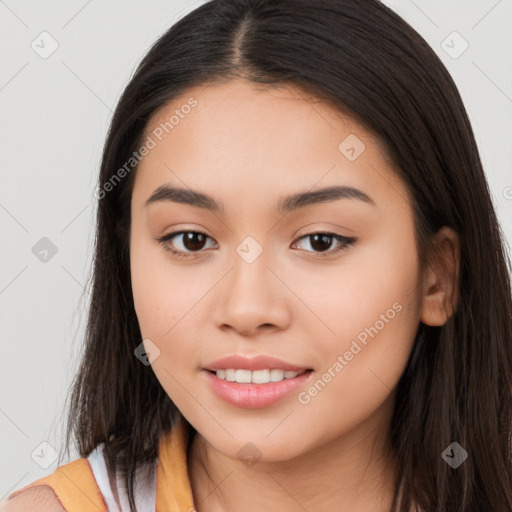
[{"x": 440, "y": 284}]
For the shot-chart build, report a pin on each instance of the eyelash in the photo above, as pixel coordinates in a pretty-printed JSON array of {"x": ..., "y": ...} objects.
[{"x": 345, "y": 243}]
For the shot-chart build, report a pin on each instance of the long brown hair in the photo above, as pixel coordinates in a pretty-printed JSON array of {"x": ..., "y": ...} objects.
[{"x": 367, "y": 61}]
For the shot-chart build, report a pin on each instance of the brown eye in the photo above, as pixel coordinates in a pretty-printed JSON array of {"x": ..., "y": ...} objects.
[
  {"x": 185, "y": 243},
  {"x": 193, "y": 241},
  {"x": 323, "y": 242},
  {"x": 320, "y": 242}
]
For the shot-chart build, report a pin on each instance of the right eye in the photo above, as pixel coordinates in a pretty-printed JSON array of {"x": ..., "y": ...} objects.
[{"x": 191, "y": 241}]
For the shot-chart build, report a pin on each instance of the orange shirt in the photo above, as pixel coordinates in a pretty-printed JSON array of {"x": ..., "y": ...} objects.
[{"x": 77, "y": 489}]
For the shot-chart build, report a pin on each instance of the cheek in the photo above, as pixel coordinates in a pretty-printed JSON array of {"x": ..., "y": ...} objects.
[
  {"x": 167, "y": 298},
  {"x": 156, "y": 307},
  {"x": 348, "y": 295},
  {"x": 367, "y": 309},
  {"x": 163, "y": 300},
  {"x": 152, "y": 285}
]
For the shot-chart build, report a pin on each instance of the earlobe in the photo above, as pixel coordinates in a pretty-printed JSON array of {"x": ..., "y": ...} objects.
[{"x": 441, "y": 283}]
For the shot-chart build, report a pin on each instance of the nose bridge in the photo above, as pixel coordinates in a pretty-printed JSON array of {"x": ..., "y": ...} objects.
[
  {"x": 249, "y": 297},
  {"x": 249, "y": 283},
  {"x": 250, "y": 268}
]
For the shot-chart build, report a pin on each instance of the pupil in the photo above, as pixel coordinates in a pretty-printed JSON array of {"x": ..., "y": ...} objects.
[
  {"x": 191, "y": 241},
  {"x": 324, "y": 242}
]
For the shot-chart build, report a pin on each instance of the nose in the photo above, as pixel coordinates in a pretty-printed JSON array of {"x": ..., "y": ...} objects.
[{"x": 251, "y": 299}]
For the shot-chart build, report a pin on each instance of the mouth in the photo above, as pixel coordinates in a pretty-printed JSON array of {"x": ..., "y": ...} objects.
[
  {"x": 239, "y": 362},
  {"x": 255, "y": 383},
  {"x": 264, "y": 376}
]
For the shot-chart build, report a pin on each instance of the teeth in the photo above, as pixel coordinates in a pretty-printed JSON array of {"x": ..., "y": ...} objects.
[
  {"x": 276, "y": 375},
  {"x": 260, "y": 376},
  {"x": 256, "y": 376},
  {"x": 243, "y": 376}
]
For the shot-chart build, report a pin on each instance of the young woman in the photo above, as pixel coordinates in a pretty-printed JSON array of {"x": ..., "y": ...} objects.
[{"x": 301, "y": 296}]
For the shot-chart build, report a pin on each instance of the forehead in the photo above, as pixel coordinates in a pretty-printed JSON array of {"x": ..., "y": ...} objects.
[
  {"x": 251, "y": 108},
  {"x": 252, "y": 139}
]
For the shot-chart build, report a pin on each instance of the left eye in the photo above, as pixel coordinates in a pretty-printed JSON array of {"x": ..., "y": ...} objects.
[
  {"x": 322, "y": 242},
  {"x": 195, "y": 241}
]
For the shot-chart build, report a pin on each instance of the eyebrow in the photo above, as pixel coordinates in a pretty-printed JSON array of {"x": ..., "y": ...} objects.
[{"x": 288, "y": 204}]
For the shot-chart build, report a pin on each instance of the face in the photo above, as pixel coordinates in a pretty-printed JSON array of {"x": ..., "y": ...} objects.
[{"x": 271, "y": 271}]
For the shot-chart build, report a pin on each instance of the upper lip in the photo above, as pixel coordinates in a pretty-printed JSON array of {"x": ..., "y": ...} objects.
[{"x": 260, "y": 362}]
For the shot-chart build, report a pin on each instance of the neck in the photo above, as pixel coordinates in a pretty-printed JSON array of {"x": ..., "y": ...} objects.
[{"x": 354, "y": 472}]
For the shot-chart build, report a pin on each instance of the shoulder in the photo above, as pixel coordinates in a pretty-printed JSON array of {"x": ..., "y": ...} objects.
[
  {"x": 40, "y": 498},
  {"x": 72, "y": 486}
]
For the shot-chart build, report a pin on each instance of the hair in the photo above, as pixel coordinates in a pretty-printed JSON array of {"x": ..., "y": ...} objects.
[{"x": 366, "y": 61}]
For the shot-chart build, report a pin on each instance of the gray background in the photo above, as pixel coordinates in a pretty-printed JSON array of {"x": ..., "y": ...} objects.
[{"x": 55, "y": 113}]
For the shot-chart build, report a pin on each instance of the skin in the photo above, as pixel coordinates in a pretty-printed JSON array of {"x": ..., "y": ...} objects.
[{"x": 249, "y": 146}]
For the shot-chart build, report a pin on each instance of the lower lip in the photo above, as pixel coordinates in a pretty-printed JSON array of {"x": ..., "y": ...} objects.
[{"x": 254, "y": 396}]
